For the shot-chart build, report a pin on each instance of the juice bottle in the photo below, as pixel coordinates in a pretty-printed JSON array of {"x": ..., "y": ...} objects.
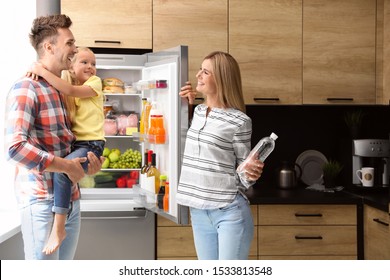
[
  {"x": 166, "y": 198},
  {"x": 152, "y": 129},
  {"x": 159, "y": 133}
]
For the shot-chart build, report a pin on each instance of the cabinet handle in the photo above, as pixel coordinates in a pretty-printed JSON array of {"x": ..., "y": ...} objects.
[
  {"x": 380, "y": 222},
  {"x": 107, "y": 42},
  {"x": 307, "y": 215},
  {"x": 266, "y": 99},
  {"x": 308, "y": 237},
  {"x": 339, "y": 99}
]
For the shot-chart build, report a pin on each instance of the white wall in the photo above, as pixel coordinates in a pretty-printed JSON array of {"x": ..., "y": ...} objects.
[{"x": 15, "y": 56}]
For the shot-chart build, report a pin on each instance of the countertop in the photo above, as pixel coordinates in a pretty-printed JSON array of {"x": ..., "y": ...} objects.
[{"x": 268, "y": 193}]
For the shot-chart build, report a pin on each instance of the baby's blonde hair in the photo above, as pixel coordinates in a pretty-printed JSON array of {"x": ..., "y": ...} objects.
[{"x": 68, "y": 75}]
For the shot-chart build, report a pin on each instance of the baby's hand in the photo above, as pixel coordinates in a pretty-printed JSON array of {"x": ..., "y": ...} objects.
[{"x": 35, "y": 70}]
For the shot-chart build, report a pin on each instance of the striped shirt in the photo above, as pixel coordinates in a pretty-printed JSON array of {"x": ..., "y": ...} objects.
[
  {"x": 215, "y": 146},
  {"x": 37, "y": 129}
]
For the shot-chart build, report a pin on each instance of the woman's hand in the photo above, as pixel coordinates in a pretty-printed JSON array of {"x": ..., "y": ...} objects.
[
  {"x": 251, "y": 168},
  {"x": 187, "y": 91}
]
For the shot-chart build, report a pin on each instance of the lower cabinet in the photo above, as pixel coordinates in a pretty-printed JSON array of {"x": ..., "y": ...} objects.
[
  {"x": 300, "y": 232},
  {"x": 177, "y": 242},
  {"x": 282, "y": 232},
  {"x": 376, "y": 234}
]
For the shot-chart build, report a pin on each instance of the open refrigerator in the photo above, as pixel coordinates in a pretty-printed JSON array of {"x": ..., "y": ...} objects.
[{"x": 112, "y": 203}]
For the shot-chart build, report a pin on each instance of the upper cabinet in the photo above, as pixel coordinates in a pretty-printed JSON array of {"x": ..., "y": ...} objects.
[
  {"x": 339, "y": 49},
  {"x": 265, "y": 36},
  {"x": 201, "y": 25},
  {"x": 114, "y": 24}
]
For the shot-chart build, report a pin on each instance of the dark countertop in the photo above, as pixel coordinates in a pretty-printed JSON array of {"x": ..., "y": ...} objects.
[{"x": 263, "y": 193}]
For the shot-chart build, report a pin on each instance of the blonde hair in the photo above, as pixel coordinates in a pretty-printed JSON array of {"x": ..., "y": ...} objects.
[
  {"x": 227, "y": 77},
  {"x": 69, "y": 75}
]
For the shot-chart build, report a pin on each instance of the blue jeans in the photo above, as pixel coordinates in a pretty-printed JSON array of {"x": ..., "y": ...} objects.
[
  {"x": 225, "y": 233},
  {"x": 37, "y": 222},
  {"x": 62, "y": 184}
]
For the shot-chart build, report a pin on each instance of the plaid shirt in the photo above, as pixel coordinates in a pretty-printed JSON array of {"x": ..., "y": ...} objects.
[{"x": 37, "y": 129}]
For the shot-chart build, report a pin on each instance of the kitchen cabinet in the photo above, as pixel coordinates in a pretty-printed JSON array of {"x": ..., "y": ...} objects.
[
  {"x": 266, "y": 39},
  {"x": 307, "y": 231},
  {"x": 383, "y": 52},
  {"x": 117, "y": 24},
  {"x": 339, "y": 52},
  {"x": 376, "y": 234},
  {"x": 201, "y": 25},
  {"x": 177, "y": 242}
]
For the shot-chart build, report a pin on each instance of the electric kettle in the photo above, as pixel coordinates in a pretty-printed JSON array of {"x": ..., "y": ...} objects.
[{"x": 287, "y": 176}]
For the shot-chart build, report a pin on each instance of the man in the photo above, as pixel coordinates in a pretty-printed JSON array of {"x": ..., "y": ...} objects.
[{"x": 38, "y": 136}]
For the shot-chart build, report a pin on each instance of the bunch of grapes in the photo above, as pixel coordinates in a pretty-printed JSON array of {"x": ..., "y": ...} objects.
[{"x": 128, "y": 159}]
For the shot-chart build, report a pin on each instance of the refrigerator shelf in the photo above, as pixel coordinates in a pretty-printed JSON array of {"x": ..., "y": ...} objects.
[{"x": 119, "y": 169}]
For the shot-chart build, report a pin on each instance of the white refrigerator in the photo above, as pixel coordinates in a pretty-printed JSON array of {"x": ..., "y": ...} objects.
[{"x": 170, "y": 65}]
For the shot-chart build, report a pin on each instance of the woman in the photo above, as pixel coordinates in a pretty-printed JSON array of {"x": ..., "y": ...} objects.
[{"x": 217, "y": 142}]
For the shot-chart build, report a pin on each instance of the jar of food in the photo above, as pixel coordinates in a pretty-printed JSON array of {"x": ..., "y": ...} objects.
[{"x": 161, "y": 84}]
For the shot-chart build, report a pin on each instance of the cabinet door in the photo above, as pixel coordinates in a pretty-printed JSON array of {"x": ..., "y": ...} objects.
[
  {"x": 265, "y": 36},
  {"x": 114, "y": 24},
  {"x": 376, "y": 234},
  {"x": 339, "y": 52},
  {"x": 201, "y": 25}
]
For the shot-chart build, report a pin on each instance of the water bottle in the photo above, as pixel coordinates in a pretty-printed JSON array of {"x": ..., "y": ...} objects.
[
  {"x": 261, "y": 151},
  {"x": 264, "y": 147}
]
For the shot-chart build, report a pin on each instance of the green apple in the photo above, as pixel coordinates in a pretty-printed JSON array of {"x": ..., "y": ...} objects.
[
  {"x": 113, "y": 156},
  {"x": 106, "y": 163},
  {"x": 106, "y": 152},
  {"x": 117, "y": 151}
]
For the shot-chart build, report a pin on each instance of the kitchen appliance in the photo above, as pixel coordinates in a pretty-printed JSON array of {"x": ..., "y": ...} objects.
[
  {"x": 126, "y": 216},
  {"x": 287, "y": 176},
  {"x": 371, "y": 153}
]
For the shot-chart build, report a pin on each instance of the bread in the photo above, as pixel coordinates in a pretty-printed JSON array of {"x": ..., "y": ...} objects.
[
  {"x": 113, "y": 82},
  {"x": 113, "y": 89}
]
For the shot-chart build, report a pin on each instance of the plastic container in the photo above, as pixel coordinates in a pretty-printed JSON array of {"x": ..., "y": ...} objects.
[{"x": 261, "y": 151}]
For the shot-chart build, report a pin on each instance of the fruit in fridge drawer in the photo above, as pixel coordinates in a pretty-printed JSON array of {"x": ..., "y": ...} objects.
[
  {"x": 106, "y": 163},
  {"x": 106, "y": 152},
  {"x": 134, "y": 174},
  {"x": 115, "y": 150},
  {"x": 113, "y": 157}
]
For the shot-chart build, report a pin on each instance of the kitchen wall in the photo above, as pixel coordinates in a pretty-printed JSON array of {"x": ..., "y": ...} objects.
[{"x": 314, "y": 127}]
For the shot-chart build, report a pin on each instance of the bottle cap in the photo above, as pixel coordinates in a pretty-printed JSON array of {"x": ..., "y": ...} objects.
[
  {"x": 163, "y": 177},
  {"x": 274, "y": 136}
]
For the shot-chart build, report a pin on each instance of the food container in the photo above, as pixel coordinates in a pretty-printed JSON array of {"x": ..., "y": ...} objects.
[{"x": 161, "y": 84}]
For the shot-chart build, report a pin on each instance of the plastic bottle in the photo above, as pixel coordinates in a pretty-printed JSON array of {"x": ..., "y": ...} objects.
[
  {"x": 264, "y": 147},
  {"x": 161, "y": 192},
  {"x": 261, "y": 151},
  {"x": 166, "y": 198}
]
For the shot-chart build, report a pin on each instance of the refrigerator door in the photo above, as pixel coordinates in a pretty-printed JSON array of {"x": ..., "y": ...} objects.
[{"x": 171, "y": 66}]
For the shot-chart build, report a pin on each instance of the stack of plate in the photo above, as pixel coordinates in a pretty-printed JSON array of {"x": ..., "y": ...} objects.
[{"x": 311, "y": 162}]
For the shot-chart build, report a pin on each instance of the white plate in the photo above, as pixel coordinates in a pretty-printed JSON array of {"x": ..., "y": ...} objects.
[{"x": 311, "y": 162}]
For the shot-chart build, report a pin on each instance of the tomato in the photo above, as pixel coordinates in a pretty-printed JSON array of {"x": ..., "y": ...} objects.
[
  {"x": 130, "y": 182},
  {"x": 121, "y": 182},
  {"x": 134, "y": 174}
]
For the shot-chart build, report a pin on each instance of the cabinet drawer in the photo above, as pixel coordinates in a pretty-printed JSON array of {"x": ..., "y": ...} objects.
[
  {"x": 307, "y": 214},
  {"x": 175, "y": 242},
  {"x": 307, "y": 240}
]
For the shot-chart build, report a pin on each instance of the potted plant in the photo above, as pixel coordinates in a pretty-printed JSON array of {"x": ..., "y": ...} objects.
[
  {"x": 354, "y": 120},
  {"x": 331, "y": 171}
]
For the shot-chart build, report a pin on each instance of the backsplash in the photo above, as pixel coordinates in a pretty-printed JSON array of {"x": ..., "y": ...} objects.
[{"x": 314, "y": 127}]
